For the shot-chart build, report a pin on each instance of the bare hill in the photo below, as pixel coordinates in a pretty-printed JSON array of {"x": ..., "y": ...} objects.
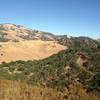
[
  {"x": 21, "y": 43},
  {"x": 28, "y": 50}
]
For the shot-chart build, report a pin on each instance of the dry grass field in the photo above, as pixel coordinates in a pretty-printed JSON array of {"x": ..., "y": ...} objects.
[
  {"x": 28, "y": 50},
  {"x": 10, "y": 90}
]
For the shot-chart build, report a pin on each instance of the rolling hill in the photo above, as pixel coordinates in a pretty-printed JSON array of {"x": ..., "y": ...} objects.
[
  {"x": 20, "y": 43},
  {"x": 28, "y": 50},
  {"x": 12, "y": 32},
  {"x": 37, "y": 65}
]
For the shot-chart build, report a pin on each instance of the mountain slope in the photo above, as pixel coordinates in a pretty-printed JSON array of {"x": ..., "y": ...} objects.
[
  {"x": 60, "y": 71},
  {"x": 12, "y": 32},
  {"x": 78, "y": 42},
  {"x": 20, "y": 43}
]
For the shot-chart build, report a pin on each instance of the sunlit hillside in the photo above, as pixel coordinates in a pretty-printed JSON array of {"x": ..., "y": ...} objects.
[
  {"x": 28, "y": 50},
  {"x": 10, "y": 90}
]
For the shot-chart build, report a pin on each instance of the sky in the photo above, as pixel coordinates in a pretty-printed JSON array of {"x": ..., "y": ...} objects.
[{"x": 61, "y": 17}]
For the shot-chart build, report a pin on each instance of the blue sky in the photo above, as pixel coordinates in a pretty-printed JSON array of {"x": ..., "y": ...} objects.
[{"x": 70, "y": 17}]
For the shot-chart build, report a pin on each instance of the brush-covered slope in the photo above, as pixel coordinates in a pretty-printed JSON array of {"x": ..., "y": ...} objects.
[
  {"x": 78, "y": 42},
  {"x": 72, "y": 67}
]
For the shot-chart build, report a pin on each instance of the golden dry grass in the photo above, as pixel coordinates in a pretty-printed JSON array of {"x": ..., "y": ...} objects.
[
  {"x": 10, "y": 90},
  {"x": 76, "y": 92},
  {"x": 28, "y": 50}
]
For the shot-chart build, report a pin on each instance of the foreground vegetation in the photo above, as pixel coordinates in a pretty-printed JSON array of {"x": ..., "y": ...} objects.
[{"x": 11, "y": 90}]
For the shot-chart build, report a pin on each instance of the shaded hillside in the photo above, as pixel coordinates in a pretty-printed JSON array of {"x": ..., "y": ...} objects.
[
  {"x": 59, "y": 71},
  {"x": 78, "y": 42}
]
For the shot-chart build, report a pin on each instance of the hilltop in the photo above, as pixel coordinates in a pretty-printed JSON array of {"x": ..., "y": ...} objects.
[{"x": 12, "y": 32}]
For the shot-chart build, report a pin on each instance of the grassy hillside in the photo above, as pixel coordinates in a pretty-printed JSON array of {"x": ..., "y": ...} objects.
[
  {"x": 12, "y": 32},
  {"x": 28, "y": 50}
]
